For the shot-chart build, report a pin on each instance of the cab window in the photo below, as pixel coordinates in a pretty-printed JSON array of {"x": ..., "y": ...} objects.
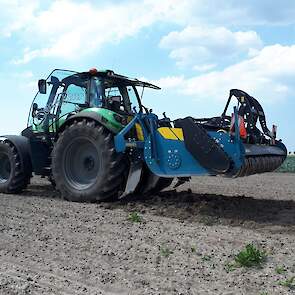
[
  {"x": 74, "y": 95},
  {"x": 133, "y": 101}
]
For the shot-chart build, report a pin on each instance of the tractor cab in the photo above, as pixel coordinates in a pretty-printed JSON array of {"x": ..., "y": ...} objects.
[
  {"x": 66, "y": 93},
  {"x": 104, "y": 97}
]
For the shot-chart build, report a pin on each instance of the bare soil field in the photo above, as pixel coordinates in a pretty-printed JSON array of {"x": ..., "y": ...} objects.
[{"x": 185, "y": 243}]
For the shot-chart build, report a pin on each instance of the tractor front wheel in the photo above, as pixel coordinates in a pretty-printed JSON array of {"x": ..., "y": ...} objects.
[
  {"x": 13, "y": 176},
  {"x": 85, "y": 164}
]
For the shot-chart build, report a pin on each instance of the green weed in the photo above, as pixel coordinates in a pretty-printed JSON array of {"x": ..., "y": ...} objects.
[
  {"x": 206, "y": 258},
  {"x": 165, "y": 252},
  {"x": 135, "y": 217},
  {"x": 193, "y": 249},
  {"x": 280, "y": 270},
  {"x": 289, "y": 283},
  {"x": 230, "y": 266},
  {"x": 250, "y": 257}
]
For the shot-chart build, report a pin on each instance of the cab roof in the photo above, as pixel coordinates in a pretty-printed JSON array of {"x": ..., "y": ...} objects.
[{"x": 112, "y": 75}]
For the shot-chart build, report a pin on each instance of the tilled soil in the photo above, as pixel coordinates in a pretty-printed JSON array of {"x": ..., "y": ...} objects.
[{"x": 185, "y": 243}]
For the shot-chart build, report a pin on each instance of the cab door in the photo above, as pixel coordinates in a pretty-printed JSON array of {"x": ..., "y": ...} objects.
[{"x": 43, "y": 109}]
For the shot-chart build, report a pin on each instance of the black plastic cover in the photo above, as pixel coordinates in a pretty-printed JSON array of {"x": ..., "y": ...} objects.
[{"x": 202, "y": 147}]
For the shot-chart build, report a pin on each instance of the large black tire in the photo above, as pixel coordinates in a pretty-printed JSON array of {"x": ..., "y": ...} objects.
[
  {"x": 85, "y": 164},
  {"x": 13, "y": 176}
]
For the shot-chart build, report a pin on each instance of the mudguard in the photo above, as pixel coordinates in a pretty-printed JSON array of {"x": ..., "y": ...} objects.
[
  {"x": 22, "y": 146},
  {"x": 95, "y": 116}
]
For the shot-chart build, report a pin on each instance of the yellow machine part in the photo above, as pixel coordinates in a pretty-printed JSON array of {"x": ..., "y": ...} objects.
[
  {"x": 171, "y": 133},
  {"x": 139, "y": 132}
]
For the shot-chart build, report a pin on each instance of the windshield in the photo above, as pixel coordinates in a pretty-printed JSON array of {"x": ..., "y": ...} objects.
[
  {"x": 65, "y": 90},
  {"x": 113, "y": 94}
]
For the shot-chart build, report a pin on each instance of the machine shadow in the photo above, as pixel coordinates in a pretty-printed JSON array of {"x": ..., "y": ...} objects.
[
  {"x": 211, "y": 209},
  {"x": 208, "y": 209},
  {"x": 42, "y": 190}
]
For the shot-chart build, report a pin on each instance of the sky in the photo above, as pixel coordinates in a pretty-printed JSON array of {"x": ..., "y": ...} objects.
[{"x": 195, "y": 50}]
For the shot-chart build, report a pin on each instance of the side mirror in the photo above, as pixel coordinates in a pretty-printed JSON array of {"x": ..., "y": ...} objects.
[{"x": 42, "y": 85}]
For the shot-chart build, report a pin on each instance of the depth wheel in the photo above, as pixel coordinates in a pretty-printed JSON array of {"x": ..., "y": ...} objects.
[
  {"x": 162, "y": 184},
  {"x": 85, "y": 164},
  {"x": 151, "y": 183},
  {"x": 13, "y": 177}
]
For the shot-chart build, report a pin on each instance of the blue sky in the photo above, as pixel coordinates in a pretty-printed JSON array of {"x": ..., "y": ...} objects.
[{"x": 195, "y": 50}]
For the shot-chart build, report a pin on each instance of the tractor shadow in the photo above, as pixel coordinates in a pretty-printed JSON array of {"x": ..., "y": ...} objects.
[
  {"x": 213, "y": 209},
  {"x": 207, "y": 209},
  {"x": 41, "y": 189}
]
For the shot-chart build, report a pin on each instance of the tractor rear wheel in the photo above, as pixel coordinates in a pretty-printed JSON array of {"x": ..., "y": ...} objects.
[
  {"x": 13, "y": 176},
  {"x": 85, "y": 164}
]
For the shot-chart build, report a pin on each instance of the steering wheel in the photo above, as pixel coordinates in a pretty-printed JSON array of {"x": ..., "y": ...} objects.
[{"x": 40, "y": 115}]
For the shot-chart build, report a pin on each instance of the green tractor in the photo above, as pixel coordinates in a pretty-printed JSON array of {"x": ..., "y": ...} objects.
[{"x": 90, "y": 134}]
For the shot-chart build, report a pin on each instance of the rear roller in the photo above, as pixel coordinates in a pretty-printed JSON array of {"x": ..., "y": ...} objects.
[
  {"x": 260, "y": 164},
  {"x": 261, "y": 159}
]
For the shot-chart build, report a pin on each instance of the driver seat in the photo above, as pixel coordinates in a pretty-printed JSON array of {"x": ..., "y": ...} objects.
[{"x": 114, "y": 103}]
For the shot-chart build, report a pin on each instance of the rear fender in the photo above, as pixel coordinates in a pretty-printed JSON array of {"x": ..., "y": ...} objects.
[{"x": 99, "y": 118}]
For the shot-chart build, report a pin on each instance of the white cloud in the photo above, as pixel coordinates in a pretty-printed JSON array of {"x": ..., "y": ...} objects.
[
  {"x": 203, "y": 47},
  {"x": 243, "y": 12},
  {"x": 70, "y": 29},
  {"x": 16, "y": 15},
  {"x": 269, "y": 76},
  {"x": 204, "y": 67},
  {"x": 169, "y": 82}
]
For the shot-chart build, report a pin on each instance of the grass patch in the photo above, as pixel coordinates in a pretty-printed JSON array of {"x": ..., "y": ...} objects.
[
  {"x": 193, "y": 249},
  {"x": 206, "y": 258},
  {"x": 250, "y": 257},
  {"x": 230, "y": 266},
  {"x": 288, "y": 165},
  {"x": 280, "y": 270},
  {"x": 165, "y": 252},
  {"x": 134, "y": 217},
  {"x": 289, "y": 283}
]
